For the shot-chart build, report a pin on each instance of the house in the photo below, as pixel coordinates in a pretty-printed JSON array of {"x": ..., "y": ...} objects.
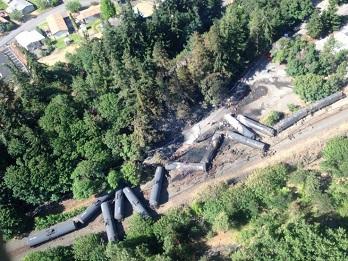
[
  {"x": 20, "y": 5},
  {"x": 30, "y": 40},
  {"x": 88, "y": 15},
  {"x": 57, "y": 25}
]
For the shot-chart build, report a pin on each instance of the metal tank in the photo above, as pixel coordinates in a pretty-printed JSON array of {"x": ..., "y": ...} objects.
[
  {"x": 137, "y": 206},
  {"x": 239, "y": 127},
  {"x": 51, "y": 233},
  {"x": 93, "y": 209},
  {"x": 256, "y": 125},
  {"x": 186, "y": 166},
  {"x": 246, "y": 141},
  {"x": 212, "y": 148},
  {"x": 156, "y": 187},
  {"x": 119, "y": 205},
  {"x": 109, "y": 222}
]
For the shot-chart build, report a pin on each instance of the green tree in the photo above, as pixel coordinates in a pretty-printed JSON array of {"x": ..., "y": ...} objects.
[
  {"x": 312, "y": 87},
  {"x": 335, "y": 157},
  {"x": 73, "y": 6},
  {"x": 107, "y": 9},
  {"x": 315, "y": 25},
  {"x": 89, "y": 248},
  {"x": 88, "y": 179},
  {"x": 52, "y": 254},
  {"x": 11, "y": 224},
  {"x": 214, "y": 88}
]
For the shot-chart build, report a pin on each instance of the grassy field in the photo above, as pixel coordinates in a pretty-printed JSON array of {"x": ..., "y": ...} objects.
[
  {"x": 76, "y": 38},
  {"x": 3, "y": 5}
]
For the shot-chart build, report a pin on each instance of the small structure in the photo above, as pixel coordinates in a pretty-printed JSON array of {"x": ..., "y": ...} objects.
[
  {"x": 20, "y": 5},
  {"x": 144, "y": 8},
  {"x": 57, "y": 25},
  {"x": 30, "y": 40},
  {"x": 88, "y": 15}
]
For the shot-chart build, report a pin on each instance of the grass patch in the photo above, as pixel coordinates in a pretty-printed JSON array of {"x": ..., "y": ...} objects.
[
  {"x": 60, "y": 44},
  {"x": 50, "y": 220},
  {"x": 272, "y": 118},
  {"x": 3, "y": 5}
]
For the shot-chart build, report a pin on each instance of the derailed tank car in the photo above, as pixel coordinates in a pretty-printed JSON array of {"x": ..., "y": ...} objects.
[
  {"x": 51, "y": 233},
  {"x": 119, "y": 205},
  {"x": 109, "y": 222},
  {"x": 256, "y": 125},
  {"x": 156, "y": 187},
  {"x": 136, "y": 204},
  {"x": 212, "y": 148},
  {"x": 246, "y": 141},
  {"x": 93, "y": 209},
  {"x": 239, "y": 127}
]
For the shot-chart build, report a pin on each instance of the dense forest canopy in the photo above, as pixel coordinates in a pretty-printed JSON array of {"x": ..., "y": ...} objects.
[{"x": 82, "y": 127}]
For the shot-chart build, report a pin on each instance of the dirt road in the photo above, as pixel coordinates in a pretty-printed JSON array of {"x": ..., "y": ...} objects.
[{"x": 301, "y": 140}]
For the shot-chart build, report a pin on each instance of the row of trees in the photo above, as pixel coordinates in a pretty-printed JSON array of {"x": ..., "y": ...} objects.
[
  {"x": 317, "y": 74},
  {"x": 321, "y": 24},
  {"x": 282, "y": 212}
]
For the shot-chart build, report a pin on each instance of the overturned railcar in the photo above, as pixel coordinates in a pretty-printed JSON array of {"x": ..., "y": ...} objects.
[
  {"x": 119, "y": 205},
  {"x": 109, "y": 222},
  {"x": 246, "y": 141},
  {"x": 136, "y": 204},
  {"x": 256, "y": 125},
  {"x": 239, "y": 127},
  {"x": 211, "y": 149},
  {"x": 156, "y": 187},
  {"x": 51, "y": 233},
  {"x": 93, "y": 209}
]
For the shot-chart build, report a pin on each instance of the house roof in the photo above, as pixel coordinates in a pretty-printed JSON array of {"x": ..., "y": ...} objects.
[
  {"x": 144, "y": 8},
  {"x": 90, "y": 11},
  {"x": 18, "y": 5},
  {"x": 26, "y": 38},
  {"x": 56, "y": 23}
]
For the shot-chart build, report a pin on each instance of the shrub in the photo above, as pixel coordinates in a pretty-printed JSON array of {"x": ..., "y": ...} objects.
[
  {"x": 50, "y": 220},
  {"x": 272, "y": 118},
  {"x": 52, "y": 254},
  {"x": 73, "y": 6},
  {"x": 335, "y": 157}
]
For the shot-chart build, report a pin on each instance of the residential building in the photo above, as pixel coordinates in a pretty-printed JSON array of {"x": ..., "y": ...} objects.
[
  {"x": 88, "y": 15},
  {"x": 57, "y": 25},
  {"x": 20, "y": 5},
  {"x": 30, "y": 40}
]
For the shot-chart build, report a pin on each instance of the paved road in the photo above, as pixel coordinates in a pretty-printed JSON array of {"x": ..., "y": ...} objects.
[{"x": 32, "y": 23}]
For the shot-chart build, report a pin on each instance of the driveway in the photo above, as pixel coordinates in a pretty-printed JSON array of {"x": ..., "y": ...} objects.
[{"x": 32, "y": 23}]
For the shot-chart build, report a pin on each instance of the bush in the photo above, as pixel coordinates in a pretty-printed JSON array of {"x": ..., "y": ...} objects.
[
  {"x": 272, "y": 118},
  {"x": 11, "y": 224},
  {"x": 89, "y": 248},
  {"x": 335, "y": 157},
  {"x": 16, "y": 15},
  {"x": 6, "y": 27},
  {"x": 50, "y": 220},
  {"x": 293, "y": 108},
  {"x": 52, "y": 254},
  {"x": 73, "y": 6}
]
